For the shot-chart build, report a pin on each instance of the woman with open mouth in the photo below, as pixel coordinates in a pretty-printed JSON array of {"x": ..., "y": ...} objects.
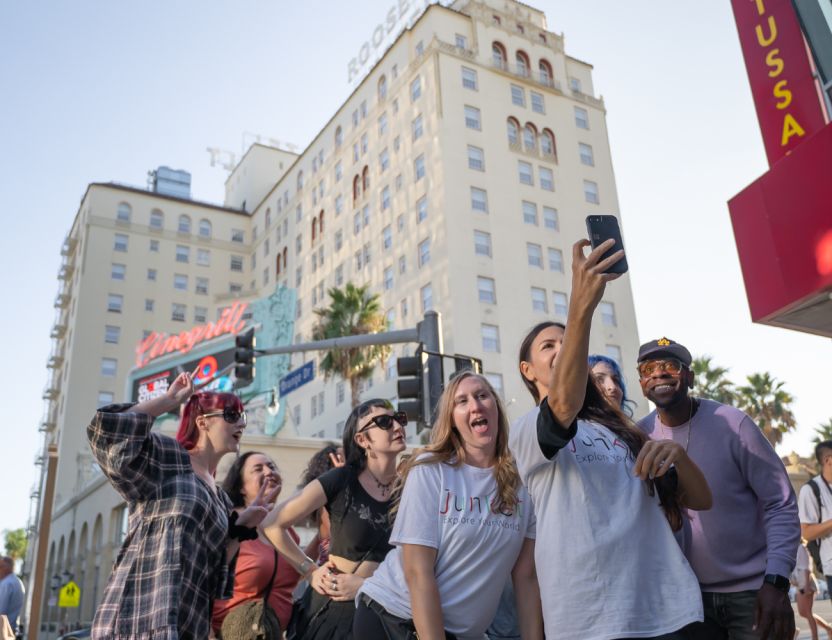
[
  {"x": 356, "y": 496},
  {"x": 462, "y": 524},
  {"x": 607, "y": 499},
  {"x": 181, "y": 534}
]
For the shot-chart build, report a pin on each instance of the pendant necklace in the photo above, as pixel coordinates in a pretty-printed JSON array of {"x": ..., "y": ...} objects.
[
  {"x": 670, "y": 437},
  {"x": 384, "y": 487}
]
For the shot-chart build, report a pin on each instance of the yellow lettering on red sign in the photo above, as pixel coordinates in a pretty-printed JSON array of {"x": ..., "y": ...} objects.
[
  {"x": 773, "y": 59},
  {"x": 790, "y": 128}
]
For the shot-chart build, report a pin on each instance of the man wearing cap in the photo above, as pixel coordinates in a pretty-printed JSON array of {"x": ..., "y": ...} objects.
[{"x": 744, "y": 548}]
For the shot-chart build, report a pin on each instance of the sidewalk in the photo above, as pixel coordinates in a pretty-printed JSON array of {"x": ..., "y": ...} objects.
[{"x": 823, "y": 608}]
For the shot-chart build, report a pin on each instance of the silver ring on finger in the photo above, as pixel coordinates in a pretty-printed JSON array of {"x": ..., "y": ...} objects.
[{"x": 334, "y": 586}]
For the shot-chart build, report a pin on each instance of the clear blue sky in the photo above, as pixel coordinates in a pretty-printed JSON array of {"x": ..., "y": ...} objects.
[{"x": 97, "y": 91}]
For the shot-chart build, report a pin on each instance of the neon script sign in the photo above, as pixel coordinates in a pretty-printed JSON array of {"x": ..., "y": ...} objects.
[{"x": 157, "y": 345}]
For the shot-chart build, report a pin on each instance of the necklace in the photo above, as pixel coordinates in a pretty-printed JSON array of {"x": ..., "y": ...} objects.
[
  {"x": 690, "y": 426},
  {"x": 384, "y": 487}
]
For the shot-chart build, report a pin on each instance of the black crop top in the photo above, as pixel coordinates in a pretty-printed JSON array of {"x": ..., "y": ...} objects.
[{"x": 359, "y": 522}]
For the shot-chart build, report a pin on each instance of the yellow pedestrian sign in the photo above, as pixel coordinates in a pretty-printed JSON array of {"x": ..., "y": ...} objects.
[{"x": 69, "y": 595}]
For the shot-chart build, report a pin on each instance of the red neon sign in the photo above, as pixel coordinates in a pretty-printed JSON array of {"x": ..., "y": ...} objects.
[{"x": 157, "y": 345}]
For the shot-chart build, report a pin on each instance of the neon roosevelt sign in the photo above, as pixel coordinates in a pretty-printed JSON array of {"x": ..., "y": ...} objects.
[{"x": 157, "y": 345}]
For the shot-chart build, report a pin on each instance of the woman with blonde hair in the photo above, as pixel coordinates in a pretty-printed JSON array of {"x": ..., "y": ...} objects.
[{"x": 463, "y": 522}]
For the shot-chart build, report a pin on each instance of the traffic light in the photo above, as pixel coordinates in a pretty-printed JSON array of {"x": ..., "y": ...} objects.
[
  {"x": 411, "y": 387},
  {"x": 244, "y": 358}
]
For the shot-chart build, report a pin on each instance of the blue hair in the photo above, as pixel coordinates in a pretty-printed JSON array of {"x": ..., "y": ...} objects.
[{"x": 626, "y": 403}]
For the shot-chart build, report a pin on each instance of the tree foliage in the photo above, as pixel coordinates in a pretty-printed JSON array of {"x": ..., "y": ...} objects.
[
  {"x": 712, "y": 381},
  {"x": 769, "y": 405},
  {"x": 16, "y": 543},
  {"x": 823, "y": 432}
]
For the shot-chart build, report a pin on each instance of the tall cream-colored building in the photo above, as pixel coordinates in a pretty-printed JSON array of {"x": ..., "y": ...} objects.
[{"x": 455, "y": 177}]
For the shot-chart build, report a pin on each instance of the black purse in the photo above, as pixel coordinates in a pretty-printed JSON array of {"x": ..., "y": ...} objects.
[{"x": 255, "y": 619}]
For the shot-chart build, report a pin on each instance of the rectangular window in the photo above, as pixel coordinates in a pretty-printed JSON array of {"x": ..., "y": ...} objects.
[
  {"x": 422, "y": 209},
  {"x": 339, "y": 204},
  {"x": 154, "y": 246},
  {"x": 358, "y": 260},
  {"x": 614, "y": 352},
  {"x": 265, "y": 247},
  {"x": 105, "y": 398},
  {"x": 235, "y": 287},
  {"x": 539, "y": 304},
  {"x": 403, "y": 306},
  {"x": 490, "y": 338},
  {"x": 587, "y": 157},
  {"x": 550, "y": 218},
  {"x": 364, "y": 143},
  {"x": 415, "y": 88},
  {"x": 203, "y": 257},
  {"x": 472, "y": 118},
  {"x": 202, "y": 286},
  {"x": 426, "y": 296},
  {"x": 382, "y": 124},
  {"x": 591, "y": 191},
  {"x": 183, "y": 253},
  {"x": 236, "y": 263},
  {"x": 476, "y": 158},
  {"x": 402, "y": 265},
  {"x": 180, "y": 282},
  {"x": 120, "y": 242},
  {"x": 298, "y": 276},
  {"x": 339, "y": 239},
  {"x": 424, "y": 252},
  {"x": 416, "y": 128},
  {"x": 486, "y": 291},
  {"x": 419, "y": 167},
  {"x": 151, "y": 275},
  {"x": 561, "y": 303},
  {"x": 339, "y": 275},
  {"x": 385, "y": 198},
  {"x": 479, "y": 200},
  {"x": 555, "y": 259},
  {"x": 469, "y": 78},
  {"x": 547, "y": 179},
  {"x": 496, "y": 381},
  {"x": 118, "y": 271},
  {"x": 396, "y": 143},
  {"x": 518, "y": 96},
  {"x": 356, "y": 223},
  {"x": 355, "y": 152},
  {"x": 339, "y": 393},
  {"x": 581, "y": 118},
  {"x": 200, "y": 314},
  {"x": 535, "y": 255},
  {"x": 525, "y": 172},
  {"x": 148, "y": 304},
  {"x": 237, "y": 235},
  {"x": 530, "y": 213},
  {"x": 384, "y": 160},
  {"x": 178, "y": 312},
  {"x": 363, "y": 107},
  {"x": 482, "y": 243},
  {"x": 538, "y": 105},
  {"x": 115, "y": 302},
  {"x": 608, "y": 314},
  {"x": 109, "y": 367},
  {"x": 388, "y": 278},
  {"x": 387, "y": 238},
  {"x": 575, "y": 84},
  {"x": 111, "y": 334},
  {"x": 460, "y": 41}
]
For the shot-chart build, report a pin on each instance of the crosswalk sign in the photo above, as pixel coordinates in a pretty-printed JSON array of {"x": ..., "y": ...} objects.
[{"x": 69, "y": 595}]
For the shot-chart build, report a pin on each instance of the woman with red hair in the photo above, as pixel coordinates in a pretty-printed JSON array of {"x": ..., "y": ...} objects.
[{"x": 175, "y": 559}]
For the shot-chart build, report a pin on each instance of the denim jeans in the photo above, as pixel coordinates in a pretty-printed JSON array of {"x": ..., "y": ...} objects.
[{"x": 728, "y": 616}]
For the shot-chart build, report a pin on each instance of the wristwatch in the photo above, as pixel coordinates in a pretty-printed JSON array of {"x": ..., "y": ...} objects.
[{"x": 777, "y": 581}]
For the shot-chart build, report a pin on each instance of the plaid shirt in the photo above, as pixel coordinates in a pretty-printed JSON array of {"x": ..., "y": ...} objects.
[{"x": 172, "y": 563}]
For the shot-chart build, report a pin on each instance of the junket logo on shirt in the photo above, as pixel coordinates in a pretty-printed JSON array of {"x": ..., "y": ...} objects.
[
  {"x": 602, "y": 448},
  {"x": 478, "y": 511}
]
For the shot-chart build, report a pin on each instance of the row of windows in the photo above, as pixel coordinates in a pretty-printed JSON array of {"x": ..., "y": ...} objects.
[
  {"x": 183, "y": 253},
  {"x": 124, "y": 213}
]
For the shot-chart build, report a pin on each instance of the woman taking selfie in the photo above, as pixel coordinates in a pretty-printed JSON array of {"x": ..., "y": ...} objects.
[
  {"x": 356, "y": 498},
  {"x": 175, "y": 558},
  {"x": 605, "y": 497},
  {"x": 464, "y": 522}
]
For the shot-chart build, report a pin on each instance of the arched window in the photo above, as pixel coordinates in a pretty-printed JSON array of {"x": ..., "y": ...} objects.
[
  {"x": 314, "y": 229},
  {"x": 545, "y": 73},
  {"x": 268, "y": 218},
  {"x": 285, "y": 257},
  {"x": 498, "y": 55},
  {"x": 382, "y": 88},
  {"x": 547, "y": 143},
  {"x": 530, "y": 137},
  {"x": 321, "y": 222},
  {"x": 205, "y": 228},
  {"x": 157, "y": 219},
  {"x": 279, "y": 262},
  {"x": 339, "y": 136},
  {"x": 365, "y": 179},
  {"x": 522, "y": 61},
  {"x": 300, "y": 180},
  {"x": 356, "y": 188},
  {"x": 123, "y": 212},
  {"x": 184, "y": 224},
  {"x": 513, "y": 131}
]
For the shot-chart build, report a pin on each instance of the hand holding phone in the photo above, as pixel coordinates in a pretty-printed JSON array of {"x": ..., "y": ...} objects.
[{"x": 604, "y": 227}]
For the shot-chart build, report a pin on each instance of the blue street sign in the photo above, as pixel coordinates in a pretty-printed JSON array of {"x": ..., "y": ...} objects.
[{"x": 297, "y": 378}]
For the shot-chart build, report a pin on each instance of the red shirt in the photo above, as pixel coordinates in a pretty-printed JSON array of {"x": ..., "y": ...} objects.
[{"x": 255, "y": 564}]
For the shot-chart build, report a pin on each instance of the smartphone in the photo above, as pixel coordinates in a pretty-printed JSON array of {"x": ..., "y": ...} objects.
[{"x": 602, "y": 228}]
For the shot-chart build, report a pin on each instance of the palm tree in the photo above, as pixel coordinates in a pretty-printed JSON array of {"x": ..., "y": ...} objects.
[
  {"x": 823, "y": 432},
  {"x": 711, "y": 381},
  {"x": 352, "y": 311},
  {"x": 765, "y": 400}
]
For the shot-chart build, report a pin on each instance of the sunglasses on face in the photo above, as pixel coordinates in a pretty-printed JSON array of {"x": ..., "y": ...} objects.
[
  {"x": 229, "y": 414},
  {"x": 670, "y": 365},
  {"x": 386, "y": 421}
]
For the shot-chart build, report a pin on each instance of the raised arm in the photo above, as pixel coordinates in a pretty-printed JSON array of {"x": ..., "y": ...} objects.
[{"x": 569, "y": 375}]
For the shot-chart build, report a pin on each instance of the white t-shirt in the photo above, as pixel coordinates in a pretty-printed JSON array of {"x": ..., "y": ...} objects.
[
  {"x": 449, "y": 509},
  {"x": 807, "y": 505},
  {"x": 607, "y": 562}
]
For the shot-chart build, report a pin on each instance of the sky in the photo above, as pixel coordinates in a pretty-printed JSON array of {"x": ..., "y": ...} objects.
[{"x": 100, "y": 91}]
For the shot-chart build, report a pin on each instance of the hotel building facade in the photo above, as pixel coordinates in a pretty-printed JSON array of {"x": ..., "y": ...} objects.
[{"x": 455, "y": 177}]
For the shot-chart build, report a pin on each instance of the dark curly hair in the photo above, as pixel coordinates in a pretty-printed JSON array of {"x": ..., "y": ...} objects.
[
  {"x": 319, "y": 464},
  {"x": 233, "y": 482}
]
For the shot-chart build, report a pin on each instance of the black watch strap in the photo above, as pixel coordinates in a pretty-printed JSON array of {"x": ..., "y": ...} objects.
[{"x": 777, "y": 581}]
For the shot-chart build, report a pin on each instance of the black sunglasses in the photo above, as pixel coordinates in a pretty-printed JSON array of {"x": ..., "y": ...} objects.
[
  {"x": 385, "y": 421},
  {"x": 229, "y": 414}
]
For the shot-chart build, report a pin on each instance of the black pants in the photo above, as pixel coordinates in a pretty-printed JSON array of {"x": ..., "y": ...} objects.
[{"x": 374, "y": 622}]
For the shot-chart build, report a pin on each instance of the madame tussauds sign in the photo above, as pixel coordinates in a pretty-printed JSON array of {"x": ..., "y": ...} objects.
[{"x": 399, "y": 16}]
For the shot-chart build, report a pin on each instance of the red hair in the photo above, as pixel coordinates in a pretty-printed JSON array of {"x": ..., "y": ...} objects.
[{"x": 198, "y": 404}]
